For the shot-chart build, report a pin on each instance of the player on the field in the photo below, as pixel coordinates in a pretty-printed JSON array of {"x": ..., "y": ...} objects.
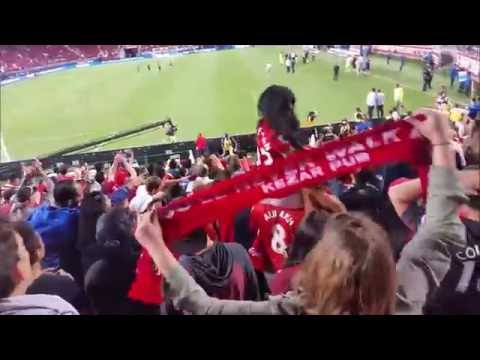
[
  {"x": 268, "y": 68},
  {"x": 336, "y": 71},
  {"x": 148, "y": 67},
  {"x": 159, "y": 66}
]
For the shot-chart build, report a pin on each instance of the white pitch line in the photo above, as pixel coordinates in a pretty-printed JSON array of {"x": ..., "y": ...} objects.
[{"x": 5, "y": 155}]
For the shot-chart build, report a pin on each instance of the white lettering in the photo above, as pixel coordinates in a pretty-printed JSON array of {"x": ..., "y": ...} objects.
[
  {"x": 390, "y": 136},
  {"x": 267, "y": 188},
  {"x": 334, "y": 165},
  {"x": 355, "y": 147},
  {"x": 279, "y": 183},
  {"x": 305, "y": 176},
  {"x": 315, "y": 170},
  {"x": 291, "y": 176},
  {"x": 470, "y": 253},
  {"x": 362, "y": 157},
  {"x": 349, "y": 161},
  {"x": 371, "y": 143},
  {"x": 330, "y": 156}
]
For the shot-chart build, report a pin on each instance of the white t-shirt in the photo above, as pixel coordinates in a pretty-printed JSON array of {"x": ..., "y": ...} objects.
[
  {"x": 372, "y": 98},
  {"x": 287, "y": 62},
  {"x": 141, "y": 200},
  {"x": 198, "y": 182}
]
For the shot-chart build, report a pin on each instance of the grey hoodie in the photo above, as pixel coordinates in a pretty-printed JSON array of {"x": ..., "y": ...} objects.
[{"x": 36, "y": 305}]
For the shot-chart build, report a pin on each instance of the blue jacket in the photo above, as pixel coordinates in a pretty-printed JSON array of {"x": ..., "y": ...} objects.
[{"x": 58, "y": 230}]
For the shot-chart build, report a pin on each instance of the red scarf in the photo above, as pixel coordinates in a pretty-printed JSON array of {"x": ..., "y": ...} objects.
[{"x": 388, "y": 143}]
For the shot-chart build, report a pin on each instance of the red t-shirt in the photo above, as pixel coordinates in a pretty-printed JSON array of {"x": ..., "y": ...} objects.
[
  {"x": 282, "y": 280},
  {"x": 270, "y": 145},
  {"x": 201, "y": 143},
  {"x": 275, "y": 228},
  {"x": 5, "y": 209}
]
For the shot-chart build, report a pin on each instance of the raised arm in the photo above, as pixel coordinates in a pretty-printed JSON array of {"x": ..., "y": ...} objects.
[
  {"x": 425, "y": 260},
  {"x": 185, "y": 292}
]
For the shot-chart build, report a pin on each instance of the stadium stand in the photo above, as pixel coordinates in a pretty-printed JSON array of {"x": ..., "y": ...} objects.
[{"x": 351, "y": 219}]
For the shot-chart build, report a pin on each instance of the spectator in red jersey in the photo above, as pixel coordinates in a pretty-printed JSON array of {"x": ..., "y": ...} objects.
[
  {"x": 201, "y": 145},
  {"x": 244, "y": 161},
  {"x": 7, "y": 204},
  {"x": 306, "y": 237},
  {"x": 319, "y": 204},
  {"x": 278, "y": 126},
  {"x": 119, "y": 173},
  {"x": 352, "y": 247},
  {"x": 14, "y": 181}
]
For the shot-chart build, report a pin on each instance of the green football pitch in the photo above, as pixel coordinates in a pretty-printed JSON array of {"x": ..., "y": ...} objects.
[{"x": 210, "y": 92}]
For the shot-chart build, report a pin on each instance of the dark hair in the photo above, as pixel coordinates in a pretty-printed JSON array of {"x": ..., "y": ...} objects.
[
  {"x": 309, "y": 232},
  {"x": 116, "y": 232},
  {"x": 365, "y": 176},
  {"x": 158, "y": 170},
  {"x": 176, "y": 191},
  {"x": 24, "y": 194},
  {"x": 7, "y": 194},
  {"x": 93, "y": 206},
  {"x": 9, "y": 256},
  {"x": 31, "y": 239},
  {"x": 99, "y": 167},
  {"x": 183, "y": 172},
  {"x": 186, "y": 163},
  {"x": 172, "y": 164},
  {"x": 153, "y": 183},
  {"x": 192, "y": 243},
  {"x": 65, "y": 194},
  {"x": 63, "y": 169},
  {"x": 16, "y": 175},
  {"x": 277, "y": 106},
  {"x": 100, "y": 177}
]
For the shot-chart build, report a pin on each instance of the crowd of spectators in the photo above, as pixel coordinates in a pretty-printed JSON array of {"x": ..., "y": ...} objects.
[
  {"x": 72, "y": 238},
  {"x": 26, "y": 57}
]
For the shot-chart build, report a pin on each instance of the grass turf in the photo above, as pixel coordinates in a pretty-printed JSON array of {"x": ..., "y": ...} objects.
[{"x": 210, "y": 92}]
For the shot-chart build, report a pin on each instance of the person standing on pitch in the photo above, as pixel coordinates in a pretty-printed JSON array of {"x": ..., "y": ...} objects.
[
  {"x": 280, "y": 58},
  {"x": 388, "y": 58},
  {"x": 398, "y": 96},
  {"x": 371, "y": 103},
  {"x": 336, "y": 70},
  {"x": 294, "y": 61},
  {"x": 288, "y": 64},
  {"x": 427, "y": 78},
  {"x": 402, "y": 62},
  {"x": 453, "y": 74},
  {"x": 380, "y": 103}
]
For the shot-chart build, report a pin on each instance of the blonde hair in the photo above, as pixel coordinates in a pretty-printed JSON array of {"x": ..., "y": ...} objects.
[{"x": 351, "y": 270}]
